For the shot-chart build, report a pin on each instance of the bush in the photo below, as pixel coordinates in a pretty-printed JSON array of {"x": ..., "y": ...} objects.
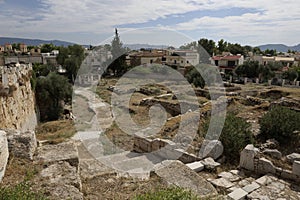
[
  {"x": 20, "y": 191},
  {"x": 235, "y": 136},
  {"x": 169, "y": 193},
  {"x": 280, "y": 123}
]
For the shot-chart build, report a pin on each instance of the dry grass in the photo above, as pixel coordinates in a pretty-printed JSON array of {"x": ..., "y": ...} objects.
[
  {"x": 55, "y": 131},
  {"x": 111, "y": 188}
]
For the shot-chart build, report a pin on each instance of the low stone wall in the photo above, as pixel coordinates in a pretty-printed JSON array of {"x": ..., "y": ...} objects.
[
  {"x": 173, "y": 108},
  {"x": 252, "y": 159},
  {"x": 3, "y": 154},
  {"x": 163, "y": 148}
]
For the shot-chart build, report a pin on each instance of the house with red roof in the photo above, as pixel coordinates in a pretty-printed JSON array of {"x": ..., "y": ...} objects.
[{"x": 227, "y": 62}]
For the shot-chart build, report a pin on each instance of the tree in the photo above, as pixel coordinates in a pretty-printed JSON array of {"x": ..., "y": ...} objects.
[
  {"x": 52, "y": 92},
  {"x": 291, "y": 75},
  {"x": 47, "y": 48},
  {"x": 222, "y": 46},
  {"x": 118, "y": 64},
  {"x": 208, "y": 45},
  {"x": 249, "y": 69}
]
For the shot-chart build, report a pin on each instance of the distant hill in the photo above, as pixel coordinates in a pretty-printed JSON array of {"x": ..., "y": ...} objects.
[
  {"x": 145, "y": 46},
  {"x": 33, "y": 42},
  {"x": 280, "y": 47}
]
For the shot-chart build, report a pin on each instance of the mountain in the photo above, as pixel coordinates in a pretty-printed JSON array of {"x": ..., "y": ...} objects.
[
  {"x": 280, "y": 47},
  {"x": 33, "y": 42},
  {"x": 145, "y": 46}
]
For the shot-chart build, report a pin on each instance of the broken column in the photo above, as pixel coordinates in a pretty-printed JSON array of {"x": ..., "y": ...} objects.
[
  {"x": 3, "y": 154},
  {"x": 247, "y": 157}
]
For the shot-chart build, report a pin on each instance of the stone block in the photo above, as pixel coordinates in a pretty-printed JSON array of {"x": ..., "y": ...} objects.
[
  {"x": 66, "y": 151},
  {"x": 196, "y": 166},
  {"x": 209, "y": 163},
  {"x": 178, "y": 174},
  {"x": 229, "y": 176},
  {"x": 247, "y": 157},
  {"x": 22, "y": 144},
  {"x": 296, "y": 168},
  {"x": 274, "y": 153},
  {"x": 265, "y": 166},
  {"x": 222, "y": 183},
  {"x": 211, "y": 148},
  {"x": 292, "y": 157},
  {"x": 4, "y": 154},
  {"x": 251, "y": 187},
  {"x": 238, "y": 194}
]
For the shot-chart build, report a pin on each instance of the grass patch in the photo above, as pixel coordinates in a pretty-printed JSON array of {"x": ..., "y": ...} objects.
[{"x": 56, "y": 131}]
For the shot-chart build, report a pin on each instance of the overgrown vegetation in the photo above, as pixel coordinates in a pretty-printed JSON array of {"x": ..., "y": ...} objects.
[
  {"x": 281, "y": 123},
  {"x": 235, "y": 136},
  {"x": 52, "y": 92},
  {"x": 172, "y": 193},
  {"x": 20, "y": 191}
]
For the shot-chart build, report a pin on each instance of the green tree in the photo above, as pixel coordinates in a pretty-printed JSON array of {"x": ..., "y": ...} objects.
[
  {"x": 222, "y": 46},
  {"x": 118, "y": 65},
  {"x": 47, "y": 48},
  {"x": 208, "y": 45},
  {"x": 291, "y": 75},
  {"x": 52, "y": 92},
  {"x": 200, "y": 73},
  {"x": 249, "y": 69}
]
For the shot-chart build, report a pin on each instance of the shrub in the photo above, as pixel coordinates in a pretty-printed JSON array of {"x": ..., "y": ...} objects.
[
  {"x": 280, "y": 123},
  {"x": 235, "y": 136},
  {"x": 169, "y": 193}
]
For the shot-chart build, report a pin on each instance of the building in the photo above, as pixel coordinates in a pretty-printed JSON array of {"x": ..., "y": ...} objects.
[
  {"x": 23, "y": 48},
  {"x": 227, "y": 62},
  {"x": 2, "y": 49},
  {"x": 284, "y": 60},
  {"x": 182, "y": 58},
  {"x": 146, "y": 57},
  {"x": 8, "y": 47}
]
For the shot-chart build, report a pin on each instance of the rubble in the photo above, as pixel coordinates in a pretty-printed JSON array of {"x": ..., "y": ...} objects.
[{"x": 4, "y": 154}]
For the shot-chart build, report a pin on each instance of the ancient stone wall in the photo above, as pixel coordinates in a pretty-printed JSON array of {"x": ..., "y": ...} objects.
[{"x": 17, "y": 105}]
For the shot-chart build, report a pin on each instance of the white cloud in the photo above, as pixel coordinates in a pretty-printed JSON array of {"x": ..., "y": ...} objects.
[{"x": 100, "y": 17}]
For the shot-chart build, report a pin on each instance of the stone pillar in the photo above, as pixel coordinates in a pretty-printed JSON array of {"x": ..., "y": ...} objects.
[
  {"x": 283, "y": 82},
  {"x": 3, "y": 153},
  {"x": 245, "y": 80},
  {"x": 257, "y": 81},
  {"x": 230, "y": 79},
  {"x": 99, "y": 77},
  {"x": 297, "y": 83},
  {"x": 296, "y": 168},
  {"x": 270, "y": 82},
  {"x": 247, "y": 157}
]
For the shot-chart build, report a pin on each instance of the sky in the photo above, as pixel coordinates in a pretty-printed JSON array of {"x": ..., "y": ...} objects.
[{"x": 165, "y": 22}]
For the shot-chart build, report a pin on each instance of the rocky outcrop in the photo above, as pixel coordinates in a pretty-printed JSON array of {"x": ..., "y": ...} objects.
[
  {"x": 17, "y": 105},
  {"x": 178, "y": 174},
  {"x": 3, "y": 153},
  {"x": 211, "y": 148}
]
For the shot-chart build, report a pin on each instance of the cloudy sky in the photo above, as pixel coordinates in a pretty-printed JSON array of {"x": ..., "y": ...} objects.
[{"x": 173, "y": 22}]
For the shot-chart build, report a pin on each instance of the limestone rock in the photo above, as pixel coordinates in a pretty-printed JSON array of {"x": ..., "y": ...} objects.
[
  {"x": 229, "y": 176},
  {"x": 247, "y": 157},
  {"x": 178, "y": 174},
  {"x": 66, "y": 151},
  {"x": 274, "y": 153},
  {"x": 196, "y": 166},
  {"x": 61, "y": 181},
  {"x": 296, "y": 168},
  {"x": 209, "y": 163},
  {"x": 3, "y": 153},
  {"x": 238, "y": 194},
  {"x": 211, "y": 148},
  {"x": 292, "y": 157},
  {"x": 90, "y": 168},
  {"x": 22, "y": 144},
  {"x": 251, "y": 187},
  {"x": 265, "y": 166},
  {"x": 222, "y": 183}
]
